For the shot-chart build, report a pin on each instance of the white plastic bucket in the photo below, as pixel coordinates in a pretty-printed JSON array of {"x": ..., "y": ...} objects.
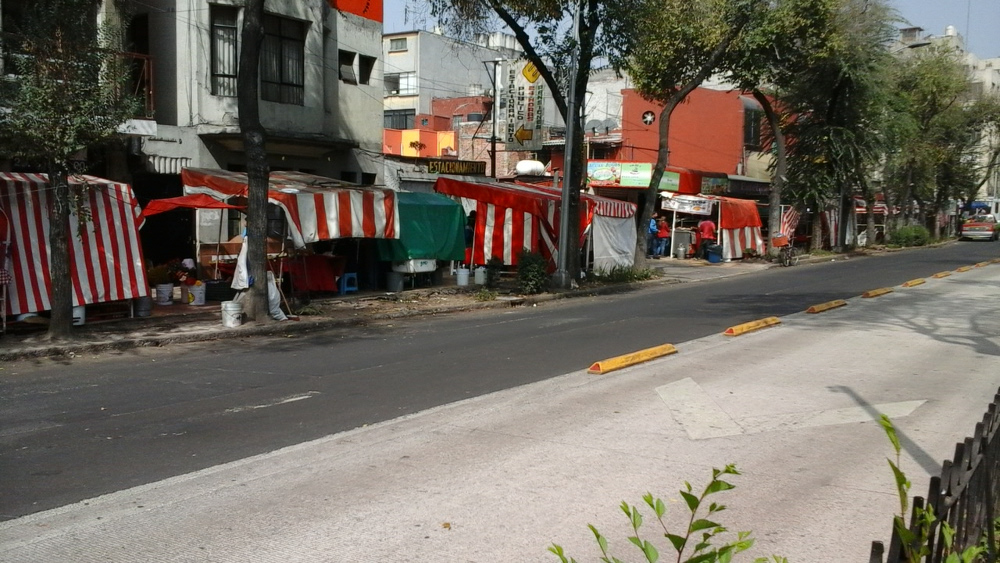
[
  {"x": 480, "y": 276},
  {"x": 164, "y": 293},
  {"x": 463, "y": 276},
  {"x": 79, "y": 315},
  {"x": 232, "y": 314},
  {"x": 196, "y": 294}
]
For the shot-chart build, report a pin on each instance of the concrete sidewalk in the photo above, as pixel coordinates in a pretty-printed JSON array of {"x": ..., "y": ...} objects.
[
  {"x": 182, "y": 323},
  {"x": 498, "y": 478}
]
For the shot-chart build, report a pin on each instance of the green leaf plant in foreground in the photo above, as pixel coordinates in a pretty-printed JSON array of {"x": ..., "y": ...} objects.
[
  {"x": 701, "y": 542},
  {"x": 915, "y": 539}
]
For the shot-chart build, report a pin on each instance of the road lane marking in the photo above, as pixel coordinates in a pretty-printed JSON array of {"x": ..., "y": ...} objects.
[
  {"x": 696, "y": 411},
  {"x": 702, "y": 418},
  {"x": 274, "y": 403}
]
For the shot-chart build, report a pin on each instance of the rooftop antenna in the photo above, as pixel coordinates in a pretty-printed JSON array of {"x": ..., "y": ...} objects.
[{"x": 968, "y": 30}]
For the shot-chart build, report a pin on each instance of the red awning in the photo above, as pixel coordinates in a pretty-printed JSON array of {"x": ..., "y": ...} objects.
[
  {"x": 317, "y": 208},
  {"x": 193, "y": 201}
]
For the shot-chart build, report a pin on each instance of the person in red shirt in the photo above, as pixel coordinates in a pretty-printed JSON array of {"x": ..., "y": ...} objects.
[{"x": 706, "y": 236}]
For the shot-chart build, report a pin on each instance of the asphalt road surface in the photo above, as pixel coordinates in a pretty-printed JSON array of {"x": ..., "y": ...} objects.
[{"x": 75, "y": 429}]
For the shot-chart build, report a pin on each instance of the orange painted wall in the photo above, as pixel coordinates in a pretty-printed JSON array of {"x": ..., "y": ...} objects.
[
  {"x": 369, "y": 9},
  {"x": 706, "y": 131}
]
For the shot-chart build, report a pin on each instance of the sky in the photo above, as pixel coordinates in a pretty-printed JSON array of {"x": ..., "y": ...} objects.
[{"x": 978, "y": 21}]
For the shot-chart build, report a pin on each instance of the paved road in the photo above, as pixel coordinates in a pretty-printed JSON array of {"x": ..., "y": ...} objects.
[
  {"x": 499, "y": 476},
  {"x": 76, "y": 429}
]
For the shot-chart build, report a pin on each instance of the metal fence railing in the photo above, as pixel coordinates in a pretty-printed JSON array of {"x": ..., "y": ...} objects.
[{"x": 965, "y": 496}]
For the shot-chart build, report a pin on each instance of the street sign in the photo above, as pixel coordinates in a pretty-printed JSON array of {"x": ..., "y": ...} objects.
[{"x": 524, "y": 93}]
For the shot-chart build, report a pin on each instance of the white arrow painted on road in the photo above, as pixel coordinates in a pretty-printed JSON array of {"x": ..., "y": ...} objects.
[{"x": 702, "y": 418}]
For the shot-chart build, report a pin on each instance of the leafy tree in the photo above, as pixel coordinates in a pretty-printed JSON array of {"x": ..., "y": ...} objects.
[
  {"x": 941, "y": 153},
  {"x": 839, "y": 102},
  {"x": 544, "y": 29},
  {"x": 68, "y": 93},
  {"x": 680, "y": 44},
  {"x": 258, "y": 171},
  {"x": 785, "y": 40}
]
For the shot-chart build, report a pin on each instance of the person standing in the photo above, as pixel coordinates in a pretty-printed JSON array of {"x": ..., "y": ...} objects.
[
  {"x": 651, "y": 233},
  {"x": 662, "y": 238},
  {"x": 706, "y": 236}
]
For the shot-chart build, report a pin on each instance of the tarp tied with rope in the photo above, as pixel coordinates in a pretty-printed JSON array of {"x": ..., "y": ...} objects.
[{"x": 104, "y": 250}]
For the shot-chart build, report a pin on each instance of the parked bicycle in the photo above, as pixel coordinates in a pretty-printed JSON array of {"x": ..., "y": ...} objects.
[{"x": 788, "y": 255}]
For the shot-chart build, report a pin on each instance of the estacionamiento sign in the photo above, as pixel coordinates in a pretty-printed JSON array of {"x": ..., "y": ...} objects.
[
  {"x": 458, "y": 167},
  {"x": 524, "y": 93}
]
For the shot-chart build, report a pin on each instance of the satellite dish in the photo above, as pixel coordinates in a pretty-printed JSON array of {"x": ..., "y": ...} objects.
[
  {"x": 594, "y": 125},
  {"x": 609, "y": 125}
]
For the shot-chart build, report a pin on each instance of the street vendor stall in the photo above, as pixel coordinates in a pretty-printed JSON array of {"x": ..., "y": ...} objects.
[
  {"x": 737, "y": 219},
  {"x": 514, "y": 217},
  {"x": 309, "y": 209},
  {"x": 431, "y": 228},
  {"x": 105, "y": 254}
]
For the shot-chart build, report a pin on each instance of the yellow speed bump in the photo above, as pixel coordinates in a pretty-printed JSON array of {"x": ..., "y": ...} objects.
[
  {"x": 619, "y": 362},
  {"x": 912, "y": 283},
  {"x": 964, "y": 269},
  {"x": 995, "y": 261},
  {"x": 877, "y": 292},
  {"x": 941, "y": 275},
  {"x": 981, "y": 264},
  {"x": 751, "y": 326},
  {"x": 826, "y": 306}
]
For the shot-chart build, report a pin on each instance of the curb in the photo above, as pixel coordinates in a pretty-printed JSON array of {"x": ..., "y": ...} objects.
[
  {"x": 826, "y": 306},
  {"x": 627, "y": 360},
  {"x": 751, "y": 326},
  {"x": 876, "y": 292}
]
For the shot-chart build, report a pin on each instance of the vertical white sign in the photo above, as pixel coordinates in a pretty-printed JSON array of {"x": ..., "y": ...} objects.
[{"x": 524, "y": 94}]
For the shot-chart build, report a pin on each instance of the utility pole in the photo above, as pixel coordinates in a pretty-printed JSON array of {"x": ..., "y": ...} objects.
[
  {"x": 562, "y": 278},
  {"x": 493, "y": 138}
]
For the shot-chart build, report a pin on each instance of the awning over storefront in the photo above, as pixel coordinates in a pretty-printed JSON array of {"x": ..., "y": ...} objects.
[
  {"x": 638, "y": 175},
  {"x": 317, "y": 208},
  {"x": 105, "y": 255}
]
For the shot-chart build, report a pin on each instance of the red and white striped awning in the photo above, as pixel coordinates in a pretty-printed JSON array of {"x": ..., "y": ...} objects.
[
  {"x": 317, "y": 208},
  {"x": 104, "y": 250}
]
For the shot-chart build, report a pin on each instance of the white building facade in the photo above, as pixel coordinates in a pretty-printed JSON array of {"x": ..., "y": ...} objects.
[
  {"x": 320, "y": 86},
  {"x": 422, "y": 65}
]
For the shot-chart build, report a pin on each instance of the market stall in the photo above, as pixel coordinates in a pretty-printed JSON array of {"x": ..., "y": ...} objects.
[
  {"x": 431, "y": 228},
  {"x": 105, "y": 254},
  {"x": 514, "y": 217},
  {"x": 315, "y": 208},
  {"x": 737, "y": 219}
]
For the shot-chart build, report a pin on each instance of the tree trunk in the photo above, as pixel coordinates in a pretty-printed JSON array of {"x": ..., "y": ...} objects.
[
  {"x": 816, "y": 241},
  {"x": 258, "y": 171},
  {"x": 780, "y": 170},
  {"x": 60, "y": 272},
  {"x": 662, "y": 160}
]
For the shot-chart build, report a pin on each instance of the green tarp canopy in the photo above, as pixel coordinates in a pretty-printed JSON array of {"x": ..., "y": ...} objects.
[{"x": 430, "y": 226}]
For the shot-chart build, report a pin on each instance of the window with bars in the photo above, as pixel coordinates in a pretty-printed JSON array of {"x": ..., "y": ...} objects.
[
  {"x": 282, "y": 61},
  {"x": 399, "y": 118},
  {"x": 225, "y": 56},
  {"x": 401, "y": 84}
]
